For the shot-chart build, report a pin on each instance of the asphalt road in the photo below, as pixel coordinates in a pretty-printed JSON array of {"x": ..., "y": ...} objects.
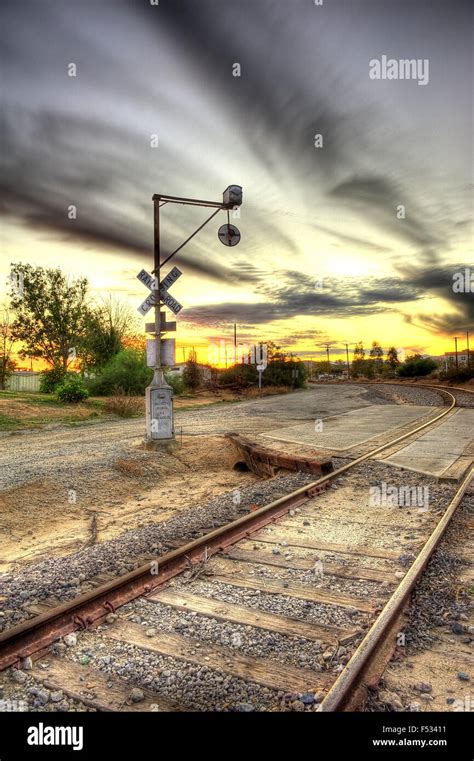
[{"x": 59, "y": 450}]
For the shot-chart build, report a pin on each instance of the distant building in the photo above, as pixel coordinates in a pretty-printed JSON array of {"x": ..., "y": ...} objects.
[
  {"x": 463, "y": 357},
  {"x": 177, "y": 369}
]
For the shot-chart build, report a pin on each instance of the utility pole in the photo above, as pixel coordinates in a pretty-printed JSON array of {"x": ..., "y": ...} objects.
[
  {"x": 347, "y": 362},
  {"x": 327, "y": 344},
  {"x": 456, "y": 350}
]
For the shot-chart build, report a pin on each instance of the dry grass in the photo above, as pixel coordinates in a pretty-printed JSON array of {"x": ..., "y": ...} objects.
[
  {"x": 125, "y": 406},
  {"x": 254, "y": 393}
]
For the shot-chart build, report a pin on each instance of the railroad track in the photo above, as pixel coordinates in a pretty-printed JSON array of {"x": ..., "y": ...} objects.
[{"x": 257, "y": 580}]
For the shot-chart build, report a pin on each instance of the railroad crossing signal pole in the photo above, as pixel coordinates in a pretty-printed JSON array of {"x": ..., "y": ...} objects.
[{"x": 159, "y": 395}]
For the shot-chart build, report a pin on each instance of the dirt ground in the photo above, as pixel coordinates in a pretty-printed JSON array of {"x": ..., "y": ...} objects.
[{"x": 41, "y": 518}]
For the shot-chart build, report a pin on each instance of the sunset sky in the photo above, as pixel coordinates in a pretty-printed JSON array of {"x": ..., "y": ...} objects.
[{"x": 323, "y": 256}]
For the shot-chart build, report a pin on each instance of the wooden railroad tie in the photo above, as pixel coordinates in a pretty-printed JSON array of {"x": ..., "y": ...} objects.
[{"x": 266, "y": 462}]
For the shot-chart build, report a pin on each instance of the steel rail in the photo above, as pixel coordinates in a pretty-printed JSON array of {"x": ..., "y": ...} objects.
[
  {"x": 339, "y": 694},
  {"x": 38, "y": 633}
]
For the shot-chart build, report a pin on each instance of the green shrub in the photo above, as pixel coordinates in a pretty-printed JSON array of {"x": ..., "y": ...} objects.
[
  {"x": 460, "y": 375},
  {"x": 176, "y": 382},
  {"x": 415, "y": 367},
  {"x": 50, "y": 379},
  {"x": 289, "y": 373},
  {"x": 72, "y": 390},
  {"x": 192, "y": 376},
  {"x": 238, "y": 374},
  {"x": 280, "y": 373},
  {"x": 127, "y": 371}
]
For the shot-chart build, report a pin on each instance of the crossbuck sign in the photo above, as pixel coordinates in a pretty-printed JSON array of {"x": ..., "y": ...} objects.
[{"x": 151, "y": 283}]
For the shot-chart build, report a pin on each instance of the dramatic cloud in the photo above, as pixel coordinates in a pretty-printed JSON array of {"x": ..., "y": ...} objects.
[{"x": 167, "y": 71}]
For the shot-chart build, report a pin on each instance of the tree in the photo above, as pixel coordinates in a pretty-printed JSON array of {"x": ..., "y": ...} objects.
[
  {"x": 357, "y": 367},
  {"x": 100, "y": 343},
  {"x": 7, "y": 365},
  {"x": 392, "y": 358},
  {"x": 109, "y": 326},
  {"x": 192, "y": 373},
  {"x": 376, "y": 356},
  {"x": 51, "y": 313}
]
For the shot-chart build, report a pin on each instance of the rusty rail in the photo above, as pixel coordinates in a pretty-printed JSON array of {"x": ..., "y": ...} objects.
[
  {"x": 339, "y": 696},
  {"x": 33, "y": 636}
]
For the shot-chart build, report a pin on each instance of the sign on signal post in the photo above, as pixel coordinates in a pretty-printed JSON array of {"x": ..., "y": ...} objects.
[
  {"x": 165, "y": 297},
  {"x": 168, "y": 352},
  {"x": 159, "y": 397}
]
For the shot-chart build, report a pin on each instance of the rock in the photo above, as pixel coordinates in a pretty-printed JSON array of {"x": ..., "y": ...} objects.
[
  {"x": 245, "y": 707},
  {"x": 426, "y": 697},
  {"x": 84, "y": 660},
  {"x": 318, "y": 697},
  {"x": 150, "y": 632},
  {"x": 137, "y": 695},
  {"x": 463, "y": 676},
  {"x": 457, "y": 628},
  {"x": 422, "y": 687},
  {"x": 19, "y": 676},
  {"x": 297, "y": 705},
  {"x": 57, "y": 696},
  {"x": 27, "y": 664},
  {"x": 399, "y": 574},
  {"x": 276, "y": 551},
  {"x": 327, "y": 655},
  {"x": 414, "y": 707},
  {"x": 70, "y": 639},
  {"x": 306, "y": 523},
  {"x": 450, "y": 701},
  {"x": 307, "y": 698},
  {"x": 41, "y": 696},
  {"x": 111, "y": 618},
  {"x": 391, "y": 700}
]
